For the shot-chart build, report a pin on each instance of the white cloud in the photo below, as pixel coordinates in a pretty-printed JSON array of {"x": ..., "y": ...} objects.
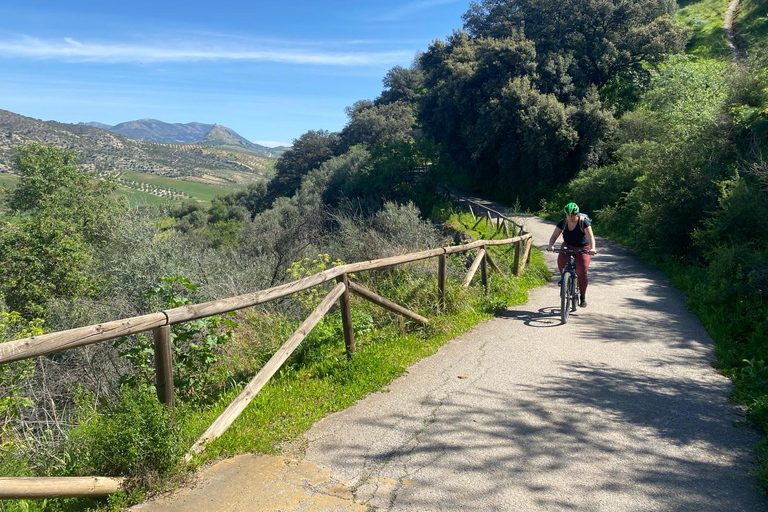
[{"x": 71, "y": 50}]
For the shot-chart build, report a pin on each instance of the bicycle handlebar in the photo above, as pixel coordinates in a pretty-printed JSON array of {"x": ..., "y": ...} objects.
[{"x": 574, "y": 251}]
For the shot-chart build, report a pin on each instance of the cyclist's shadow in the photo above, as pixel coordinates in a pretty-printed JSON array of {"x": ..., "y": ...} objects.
[{"x": 544, "y": 317}]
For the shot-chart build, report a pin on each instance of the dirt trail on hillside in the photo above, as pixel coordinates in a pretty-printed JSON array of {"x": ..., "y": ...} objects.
[{"x": 728, "y": 20}]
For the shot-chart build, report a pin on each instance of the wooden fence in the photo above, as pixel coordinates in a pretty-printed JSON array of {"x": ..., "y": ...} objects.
[
  {"x": 159, "y": 323},
  {"x": 481, "y": 212}
]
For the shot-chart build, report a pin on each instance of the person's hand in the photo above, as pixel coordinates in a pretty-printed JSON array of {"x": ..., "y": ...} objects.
[
  {"x": 551, "y": 248},
  {"x": 592, "y": 252}
]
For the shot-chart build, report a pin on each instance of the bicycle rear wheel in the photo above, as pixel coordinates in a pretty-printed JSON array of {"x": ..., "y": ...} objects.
[{"x": 565, "y": 287}]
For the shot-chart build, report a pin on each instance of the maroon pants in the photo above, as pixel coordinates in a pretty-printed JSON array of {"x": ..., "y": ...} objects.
[{"x": 582, "y": 265}]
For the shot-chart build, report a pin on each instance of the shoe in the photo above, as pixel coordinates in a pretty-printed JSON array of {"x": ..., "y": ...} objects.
[{"x": 583, "y": 303}]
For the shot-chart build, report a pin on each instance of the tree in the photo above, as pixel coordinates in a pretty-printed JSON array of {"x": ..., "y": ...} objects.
[
  {"x": 401, "y": 84},
  {"x": 53, "y": 187},
  {"x": 598, "y": 38},
  {"x": 377, "y": 125},
  {"x": 484, "y": 106},
  {"x": 61, "y": 217},
  {"x": 308, "y": 152}
]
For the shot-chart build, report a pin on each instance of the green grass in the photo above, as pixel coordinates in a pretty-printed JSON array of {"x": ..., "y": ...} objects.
[
  {"x": 705, "y": 19},
  {"x": 200, "y": 191},
  {"x": 139, "y": 198},
  {"x": 752, "y": 24}
]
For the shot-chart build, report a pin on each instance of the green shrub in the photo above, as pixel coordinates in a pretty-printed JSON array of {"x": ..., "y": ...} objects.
[
  {"x": 132, "y": 437},
  {"x": 196, "y": 346}
]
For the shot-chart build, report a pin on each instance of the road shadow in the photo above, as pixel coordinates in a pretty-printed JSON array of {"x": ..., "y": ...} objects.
[
  {"x": 584, "y": 433},
  {"x": 544, "y": 317}
]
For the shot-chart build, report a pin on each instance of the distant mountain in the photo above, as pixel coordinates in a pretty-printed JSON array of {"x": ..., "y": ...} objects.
[
  {"x": 213, "y": 135},
  {"x": 102, "y": 151},
  {"x": 158, "y": 131},
  {"x": 97, "y": 125},
  {"x": 222, "y": 136}
]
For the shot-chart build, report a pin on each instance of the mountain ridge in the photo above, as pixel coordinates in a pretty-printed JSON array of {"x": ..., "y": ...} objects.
[
  {"x": 213, "y": 135},
  {"x": 104, "y": 151}
]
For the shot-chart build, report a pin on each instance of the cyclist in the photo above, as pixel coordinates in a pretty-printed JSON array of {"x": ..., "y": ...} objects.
[{"x": 577, "y": 234}]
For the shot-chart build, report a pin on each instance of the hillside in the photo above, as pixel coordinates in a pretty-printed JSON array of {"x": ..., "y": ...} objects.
[{"x": 104, "y": 151}]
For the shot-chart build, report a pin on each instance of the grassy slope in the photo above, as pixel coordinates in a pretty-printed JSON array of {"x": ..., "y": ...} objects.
[
  {"x": 705, "y": 19},
  {"x": 752, "y": 25}
]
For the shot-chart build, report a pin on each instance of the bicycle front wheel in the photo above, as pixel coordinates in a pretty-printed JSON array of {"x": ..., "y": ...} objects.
[
  {"x": 565, "y": 306},
  {"x": 574, "y": 293}
]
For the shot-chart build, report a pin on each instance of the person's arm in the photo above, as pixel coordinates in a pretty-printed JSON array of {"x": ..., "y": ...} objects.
[
  {"x": 591, "y": 237},
  {"x": 553, "y": 238}
]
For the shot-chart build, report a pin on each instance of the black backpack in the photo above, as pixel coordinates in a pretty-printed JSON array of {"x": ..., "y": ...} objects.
[{"x": 582, "y": 218}]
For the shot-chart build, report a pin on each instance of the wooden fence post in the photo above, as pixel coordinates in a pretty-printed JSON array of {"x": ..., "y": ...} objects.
[
  {"x": 441, "y": 268},
  {"x": 526, "y": 253},
  {"x": 164, "y": 365},
  {"x": 516, "y": 265},
  {"x": 346, "y": 316},
  {"x": 484, "y": 270}
]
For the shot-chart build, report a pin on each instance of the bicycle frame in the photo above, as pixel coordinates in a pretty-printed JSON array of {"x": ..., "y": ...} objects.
[{"x": 569, "y": 284}]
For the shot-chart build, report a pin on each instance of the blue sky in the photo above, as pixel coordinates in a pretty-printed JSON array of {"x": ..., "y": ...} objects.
[{"x": 269, "y": 70}]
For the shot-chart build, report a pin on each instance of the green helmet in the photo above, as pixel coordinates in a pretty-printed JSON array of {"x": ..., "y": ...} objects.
[{"x": 571, "y": 208}]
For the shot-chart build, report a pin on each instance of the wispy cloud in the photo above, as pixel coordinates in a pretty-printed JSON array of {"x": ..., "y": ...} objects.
[
  {"x": 73, "y": 50},
  {"x": 407, "y": 10}
]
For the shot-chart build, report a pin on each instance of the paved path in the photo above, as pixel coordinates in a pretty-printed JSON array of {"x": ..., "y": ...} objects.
[{"x": 619, "y": 410}]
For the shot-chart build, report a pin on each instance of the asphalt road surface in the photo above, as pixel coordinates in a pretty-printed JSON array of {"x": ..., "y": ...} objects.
[{"x": 619, "y": 410}]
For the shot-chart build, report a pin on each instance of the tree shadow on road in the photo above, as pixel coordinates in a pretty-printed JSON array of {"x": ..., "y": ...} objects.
[{"x": 592, "y": 435}]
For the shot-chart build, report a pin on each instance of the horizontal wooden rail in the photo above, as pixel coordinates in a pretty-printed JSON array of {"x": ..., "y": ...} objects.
[
  {"x": 54, "y": 342},
  {"x": 53, "y": 487}
]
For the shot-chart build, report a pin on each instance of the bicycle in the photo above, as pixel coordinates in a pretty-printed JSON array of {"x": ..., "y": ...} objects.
[{"x": 569, "y": 284}]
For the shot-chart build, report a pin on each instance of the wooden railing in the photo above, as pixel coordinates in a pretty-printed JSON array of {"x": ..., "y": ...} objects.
[
  {"x": 159, "y": 323},
  {"x": 482, "y": 212}
]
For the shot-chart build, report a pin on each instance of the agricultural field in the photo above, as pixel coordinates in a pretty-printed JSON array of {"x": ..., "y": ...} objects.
[
  {"x": 149, "y": 189},
  {"x": 153, "y": 189},
  {"x": 8, "y": 180}
]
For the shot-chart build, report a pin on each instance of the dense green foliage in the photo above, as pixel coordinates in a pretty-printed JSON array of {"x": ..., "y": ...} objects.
[{"x": 514, "y": 102}]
